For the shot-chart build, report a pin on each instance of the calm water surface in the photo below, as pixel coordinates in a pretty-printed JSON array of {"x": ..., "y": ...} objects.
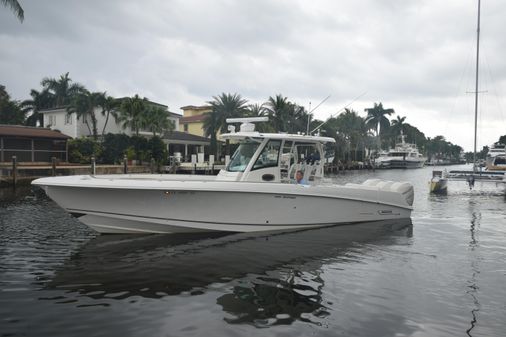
[{"x": 442, "y": 275}]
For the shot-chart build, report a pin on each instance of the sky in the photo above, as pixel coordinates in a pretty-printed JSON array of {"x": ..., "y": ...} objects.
[{"x": 415, "y": 56}]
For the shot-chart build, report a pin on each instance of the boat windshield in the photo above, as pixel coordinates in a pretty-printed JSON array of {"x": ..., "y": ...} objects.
[{"x": 242, "y": 156}]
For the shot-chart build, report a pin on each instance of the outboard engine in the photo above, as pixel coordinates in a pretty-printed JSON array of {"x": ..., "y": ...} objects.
[{"x": 404, "y": 188}]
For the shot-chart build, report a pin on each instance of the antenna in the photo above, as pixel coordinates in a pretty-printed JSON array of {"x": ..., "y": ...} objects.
[
  {"x": 338, "y": 111},
  {"x": 310, "y": 111},
  {"x": 247, "y": 123}
]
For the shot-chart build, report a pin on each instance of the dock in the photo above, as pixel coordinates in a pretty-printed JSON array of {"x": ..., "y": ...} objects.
[{"x": 466, "y": 175}]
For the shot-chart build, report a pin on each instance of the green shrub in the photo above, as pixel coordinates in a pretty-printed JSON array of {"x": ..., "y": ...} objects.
[{"x": 82, "y": 149}]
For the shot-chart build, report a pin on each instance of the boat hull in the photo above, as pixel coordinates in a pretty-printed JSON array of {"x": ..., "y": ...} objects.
[
  {"x": 401, "y": 164},
  {"x": 438, "y": 186},
  {"x": 178, "y": 210}
]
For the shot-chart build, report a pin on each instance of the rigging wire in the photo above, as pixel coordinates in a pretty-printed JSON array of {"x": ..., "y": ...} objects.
[{"x": 338, "y": 111}]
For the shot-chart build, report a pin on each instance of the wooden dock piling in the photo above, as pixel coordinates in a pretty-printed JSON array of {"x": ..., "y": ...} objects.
[
  {"x": 53, "y": 166},
  {"x": 14, "y": 171}
]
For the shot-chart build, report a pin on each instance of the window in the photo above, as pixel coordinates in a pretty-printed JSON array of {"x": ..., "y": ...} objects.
[
  {"x": 185, "y": 126},
  {"x": 242, "y": 156},
  {"x": 269, "y": 156},
  {"x": 307, "y": 152},
  {"x": 68, "y": 119}
]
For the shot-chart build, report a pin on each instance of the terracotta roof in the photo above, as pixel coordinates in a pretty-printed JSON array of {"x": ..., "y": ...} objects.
[
  {"x": 192, "y": 119},
  {"x": 31, "y": 132},
  {"x": 184, "y": 136},
  {"x": 194, "y": 107}
]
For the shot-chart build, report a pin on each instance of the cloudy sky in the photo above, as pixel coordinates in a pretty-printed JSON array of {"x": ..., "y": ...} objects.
[{"x": 415, "y": 56}]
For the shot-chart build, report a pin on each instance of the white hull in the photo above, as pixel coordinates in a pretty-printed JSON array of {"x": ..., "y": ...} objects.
[
  {"x": 162, "y": 204},
  {"x": 399, "y": 163}
]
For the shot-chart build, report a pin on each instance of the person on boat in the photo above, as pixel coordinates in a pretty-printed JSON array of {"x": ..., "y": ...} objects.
[{"x": 299, "y": 178}]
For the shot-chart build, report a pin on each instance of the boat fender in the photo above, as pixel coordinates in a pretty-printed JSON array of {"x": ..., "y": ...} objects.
[{"x": 406, "y": 189}]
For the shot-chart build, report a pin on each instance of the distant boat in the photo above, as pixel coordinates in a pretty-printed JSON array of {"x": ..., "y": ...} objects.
[
  {"x": 403, "y": 155},
  {"x": 497, "y": 176},
  {"x": 438, "y": 183},
  {"x": 496, "y": 157}
]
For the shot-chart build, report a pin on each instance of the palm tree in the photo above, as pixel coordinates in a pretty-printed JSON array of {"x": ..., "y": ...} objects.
[
  {"x": 157, "y": 120},
  {"x": 109, "y": 105},
  {"x": 62, "y": 89},
  {"x": 15, "y": 7},
  {"x": 223, "y": 107},
  {"x": 376, "y": 118},
  {"x": 278, "y": 112},
  {"x": 398, "y": 123},
  {"x": 83, "y": 105},
  {"x": 131, "y": 113},
  {"x": 259, "y": 110},
  {"x": 40, "y": 100}
]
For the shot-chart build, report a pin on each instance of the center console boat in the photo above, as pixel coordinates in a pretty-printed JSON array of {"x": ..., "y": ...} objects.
[{"x": 256, "y": 191}]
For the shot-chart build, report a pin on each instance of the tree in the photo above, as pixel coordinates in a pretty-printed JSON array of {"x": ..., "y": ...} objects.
[
  {"x": 39, "y": 101},
  {"x": 83, "y": 105},
  {"x": 376, "y": 118},
  {"x": 109, "y": 105},
  {"x": 10, "y": 111},
  {"x": 15, "y": 7},
  {"x": 131, "y": 113},
  {"x": 223, "y": 107},
  {"x": 156, "y": 119},
  {"x": 398, "y": 124},
  {"x": 259, "y": 110},
  {"x": 278, "y": 112},
  {"x": 62, "y": 89}
]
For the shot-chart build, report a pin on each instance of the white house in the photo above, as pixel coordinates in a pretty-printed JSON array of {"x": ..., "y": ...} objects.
[{"x": 68, "y": 124}]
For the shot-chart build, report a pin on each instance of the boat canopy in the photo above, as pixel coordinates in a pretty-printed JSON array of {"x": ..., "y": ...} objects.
[{"x": 285, "y": 136}]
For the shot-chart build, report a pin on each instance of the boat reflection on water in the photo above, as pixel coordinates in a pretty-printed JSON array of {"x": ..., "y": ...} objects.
[{"x": 265, "y": 276}]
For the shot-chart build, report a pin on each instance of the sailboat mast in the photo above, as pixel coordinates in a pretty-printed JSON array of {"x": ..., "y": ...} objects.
[{"x": 476, "y": 86}]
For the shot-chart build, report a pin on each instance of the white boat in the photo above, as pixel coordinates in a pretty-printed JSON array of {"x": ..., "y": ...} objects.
[
  {"x": 496, "y": 157},
  {"x": 438, "y": 183},
  {"x": 403, "y": 155},
  {"x": 256, "y": 192}
]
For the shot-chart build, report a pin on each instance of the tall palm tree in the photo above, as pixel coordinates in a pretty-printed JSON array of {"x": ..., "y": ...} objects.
[
  {"x": 376, "y": 118},
  {"x": 131, "y": 113},
  {"x": 223, "y": 107},
  {"x": 39, "y": 100},
  {"x": 83, "y": 105},
  {"x": 109, "y": 107},
  {"x": 398, "y": 123},
  {"x": 157, "y": 120},
  {"x": 15, "y": 7},
  {"x": 278, "y": 110},
  {"x": 62, "y": 88},
  {"x": 259, "y": 110}
]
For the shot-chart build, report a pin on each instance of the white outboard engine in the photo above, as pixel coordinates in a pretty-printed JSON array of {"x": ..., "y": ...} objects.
[{"x": 404, "y": 188}]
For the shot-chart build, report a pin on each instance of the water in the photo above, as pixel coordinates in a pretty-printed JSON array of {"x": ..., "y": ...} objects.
[{"x": 444, "y": 275}]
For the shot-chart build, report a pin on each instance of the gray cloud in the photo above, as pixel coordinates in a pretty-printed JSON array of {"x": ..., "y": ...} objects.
[{"x": 416, "y": 56}]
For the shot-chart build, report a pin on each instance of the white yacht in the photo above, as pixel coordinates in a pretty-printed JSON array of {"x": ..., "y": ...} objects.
[
  {"x": 496, "y": 157},
  {"x": 403, "y": 155},
  {"x": 256, "y": 192}
]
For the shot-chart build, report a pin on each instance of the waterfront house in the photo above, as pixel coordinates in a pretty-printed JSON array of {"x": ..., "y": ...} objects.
[
  {"x": 180, "y": 144},
  {"x": 59, "y": 119},
  {"x": 193, "y": 119},
  {"x": 30, "y": 144}
]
